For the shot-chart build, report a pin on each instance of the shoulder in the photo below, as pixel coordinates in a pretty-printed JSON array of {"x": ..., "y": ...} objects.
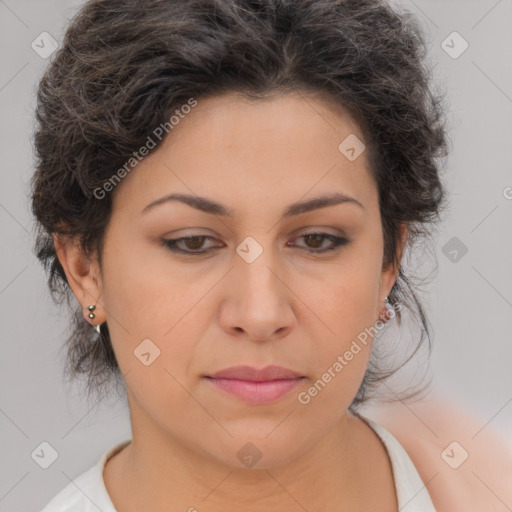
[
  {"x": 463, "y": 462},
  {"x": 74, "y": 496},
  {"x": 87, "y": 492}
]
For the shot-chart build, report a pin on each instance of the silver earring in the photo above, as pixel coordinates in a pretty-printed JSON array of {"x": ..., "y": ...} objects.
[
  {"x": 386, "y": 300},
  {"x": 91, "y": 308}
]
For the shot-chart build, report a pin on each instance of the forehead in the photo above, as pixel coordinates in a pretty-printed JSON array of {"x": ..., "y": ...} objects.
[
  {"x": 234, "y": 121},
  {"x": 236, "y": 150}
]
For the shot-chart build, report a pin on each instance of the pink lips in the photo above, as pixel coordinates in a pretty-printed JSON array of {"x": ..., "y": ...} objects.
[{"x": 256, "y": 386}]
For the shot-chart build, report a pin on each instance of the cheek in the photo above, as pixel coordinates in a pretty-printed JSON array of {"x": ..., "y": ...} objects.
[
  {"x": 342, "y": 349},
  {"x": 141, "y": 294},
  {"x": 342, "y": 319},
  {"x": 344, "y": 303},
  {"x": 155, "y": 316}
]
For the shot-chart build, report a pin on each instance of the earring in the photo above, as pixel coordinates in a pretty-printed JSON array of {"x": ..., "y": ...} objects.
[
  {"x": 384, "y": 316},
  {"x": 91, "y": 308}
]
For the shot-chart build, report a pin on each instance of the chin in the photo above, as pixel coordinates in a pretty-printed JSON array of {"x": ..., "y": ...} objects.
[{"x": 255, "y": 452}]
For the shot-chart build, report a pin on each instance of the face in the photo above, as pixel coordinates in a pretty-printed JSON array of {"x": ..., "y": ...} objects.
[{"x": 258, "y": 284}]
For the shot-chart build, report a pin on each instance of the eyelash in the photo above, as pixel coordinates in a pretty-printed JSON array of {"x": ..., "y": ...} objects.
[{"x": 171, "y": 244}]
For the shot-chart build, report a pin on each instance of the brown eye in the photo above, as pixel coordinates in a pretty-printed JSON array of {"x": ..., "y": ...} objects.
[
  {"x": 194, "y": 245},
  {"x": 189, "y": 244},
  {"x": 314, "y": 242},
  {"x": 315, "y": 239},
  {"x": 194, "y": 242}
]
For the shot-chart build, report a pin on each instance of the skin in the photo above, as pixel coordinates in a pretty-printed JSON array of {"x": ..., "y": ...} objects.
[{"x": 289, "y": 307}]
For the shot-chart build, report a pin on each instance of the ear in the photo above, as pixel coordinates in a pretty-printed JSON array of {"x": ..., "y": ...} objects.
[
  {"x": 83, "y": 275},
  {"x": 390, "y": 273}
]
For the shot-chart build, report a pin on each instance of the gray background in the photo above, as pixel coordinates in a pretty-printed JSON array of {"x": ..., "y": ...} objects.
[{"x": 470, "y": 300}]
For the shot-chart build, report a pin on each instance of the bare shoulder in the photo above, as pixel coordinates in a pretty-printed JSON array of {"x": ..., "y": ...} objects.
[{"x": 465, "y": 464}]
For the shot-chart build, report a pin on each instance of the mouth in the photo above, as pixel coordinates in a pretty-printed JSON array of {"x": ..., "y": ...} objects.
[{"x": 255, "y": 386}]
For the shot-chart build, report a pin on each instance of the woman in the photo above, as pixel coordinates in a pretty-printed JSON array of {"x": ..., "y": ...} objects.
[{"x": 227, "y": 188}]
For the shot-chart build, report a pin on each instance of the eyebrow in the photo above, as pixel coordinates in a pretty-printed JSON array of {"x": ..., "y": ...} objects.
[{"x": 212, "y": 207}]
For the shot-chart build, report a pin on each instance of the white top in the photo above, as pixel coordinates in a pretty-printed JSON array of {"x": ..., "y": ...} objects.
[{"x": 87, "y": 492}]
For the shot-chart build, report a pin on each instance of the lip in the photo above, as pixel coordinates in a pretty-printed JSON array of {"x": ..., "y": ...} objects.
[
  {"x": 256, "y": 386},
  {"x": 250, "y": 373}
]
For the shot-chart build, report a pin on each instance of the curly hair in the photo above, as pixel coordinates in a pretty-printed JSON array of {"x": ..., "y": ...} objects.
[{"x": 125, "y": 65}]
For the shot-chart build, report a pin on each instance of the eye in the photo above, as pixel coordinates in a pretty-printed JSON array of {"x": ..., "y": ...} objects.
[
  {"x": 316, "y": 240},
  {"x": 191, "y": 242},
  {"x": 194, "y": 245}
]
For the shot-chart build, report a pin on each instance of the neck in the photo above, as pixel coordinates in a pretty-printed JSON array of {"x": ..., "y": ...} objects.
[{"x": 160, "y": 473}]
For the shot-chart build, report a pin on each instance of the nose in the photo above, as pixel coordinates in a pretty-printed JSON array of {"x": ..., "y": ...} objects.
[{"x": 259, "y": 303}]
